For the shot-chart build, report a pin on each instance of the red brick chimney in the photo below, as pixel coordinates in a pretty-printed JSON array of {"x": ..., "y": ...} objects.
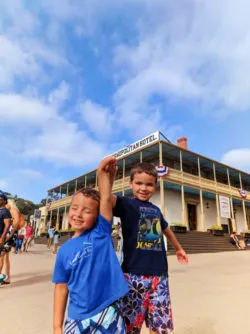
[{"x": 182, "y": 142}]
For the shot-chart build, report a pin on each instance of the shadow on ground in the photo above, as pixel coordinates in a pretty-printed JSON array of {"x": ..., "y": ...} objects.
[{"x": 45, "y": 277}]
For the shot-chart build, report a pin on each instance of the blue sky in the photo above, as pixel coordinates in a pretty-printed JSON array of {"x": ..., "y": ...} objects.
[{"x": 80, "y": 79}]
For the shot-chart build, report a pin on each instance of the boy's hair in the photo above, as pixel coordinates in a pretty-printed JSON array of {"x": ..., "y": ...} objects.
[
  {"x": 143, "y": 167},
  {"x": 89, "y": 192}
]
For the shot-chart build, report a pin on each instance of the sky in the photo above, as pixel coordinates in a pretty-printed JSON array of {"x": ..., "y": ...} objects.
[{"x": 81, "y": 79}]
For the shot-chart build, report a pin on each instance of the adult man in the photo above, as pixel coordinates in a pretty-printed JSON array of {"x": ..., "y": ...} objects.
[{"x": 5, "y": 222}]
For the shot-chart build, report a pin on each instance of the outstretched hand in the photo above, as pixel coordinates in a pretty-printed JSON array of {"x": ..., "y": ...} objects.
[
  {"x": 182, "y": 256},
  {"x": 108, "y": 166}
]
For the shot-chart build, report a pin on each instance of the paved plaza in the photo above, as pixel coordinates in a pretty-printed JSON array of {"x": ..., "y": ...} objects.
[{"x": 209, "y": 296}]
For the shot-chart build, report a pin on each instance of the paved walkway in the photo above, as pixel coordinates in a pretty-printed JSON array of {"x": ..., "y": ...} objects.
[{"x": 210, "y": 295}]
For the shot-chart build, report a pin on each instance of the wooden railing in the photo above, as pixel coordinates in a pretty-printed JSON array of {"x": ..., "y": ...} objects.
[{"x": 175, "y": 176}]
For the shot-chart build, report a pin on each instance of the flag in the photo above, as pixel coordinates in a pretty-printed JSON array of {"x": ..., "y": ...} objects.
[
  {"x": 162, "y": 170},
  {"x": 243, "y": 193}
]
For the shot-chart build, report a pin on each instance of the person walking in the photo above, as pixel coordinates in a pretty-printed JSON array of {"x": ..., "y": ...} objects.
[{"x": 29, "y": 233}]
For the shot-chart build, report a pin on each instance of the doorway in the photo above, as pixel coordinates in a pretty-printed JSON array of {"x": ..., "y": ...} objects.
[{"x": 192, "y": 217}]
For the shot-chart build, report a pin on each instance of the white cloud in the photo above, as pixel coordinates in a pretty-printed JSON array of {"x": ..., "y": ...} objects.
[
  {"x": 18, "y": 109},
  {"x": 61, "y": 143},
  {"x": 60, "y": 95},
  {"x": 238, "y": 158},
  {"x": 30, "y": 173},
  {"x": 198, "y": 52},
  {"x": 3, "y": 184},
  {"x": 97, "y": 118}
]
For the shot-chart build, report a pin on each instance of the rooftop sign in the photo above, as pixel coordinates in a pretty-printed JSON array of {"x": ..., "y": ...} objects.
[{"x": 146, "y": 141}]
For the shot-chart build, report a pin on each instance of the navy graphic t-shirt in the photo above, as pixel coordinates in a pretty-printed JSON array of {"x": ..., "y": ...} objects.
[
  {"x": 4, "y": 214},
  {"x": 143, "y": 246}
]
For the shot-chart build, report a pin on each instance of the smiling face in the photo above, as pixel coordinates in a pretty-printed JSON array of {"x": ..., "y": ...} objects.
[
  {"x": 143, "y": 186},
  {"x": 83, "y": 213}
]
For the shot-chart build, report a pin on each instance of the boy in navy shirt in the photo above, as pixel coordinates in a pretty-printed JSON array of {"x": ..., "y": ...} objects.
[
  {"x": 87, "y": 267},
  {"x": 145, "y": 263}
]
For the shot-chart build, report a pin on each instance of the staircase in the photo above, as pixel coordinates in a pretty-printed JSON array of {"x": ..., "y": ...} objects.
[
  {"x": 202, "y": 242},
  {"x": 192, "y": 241}
]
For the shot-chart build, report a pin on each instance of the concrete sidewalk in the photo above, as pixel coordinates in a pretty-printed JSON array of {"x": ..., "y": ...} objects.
[{"x": 209, "y": 296}]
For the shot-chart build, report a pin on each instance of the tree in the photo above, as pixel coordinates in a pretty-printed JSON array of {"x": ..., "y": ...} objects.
[{"x": 26, "y": 207}]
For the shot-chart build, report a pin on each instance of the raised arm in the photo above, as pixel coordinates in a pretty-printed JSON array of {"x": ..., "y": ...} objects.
[{"x": 106, "y": 174}]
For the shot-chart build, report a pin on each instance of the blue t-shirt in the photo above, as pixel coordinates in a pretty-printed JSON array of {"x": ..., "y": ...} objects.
[
  {"x": 4, "y": 214},
  {"x": 89, "y": 266},
  {"x": 51, "y": 232},
  {"x": 143, "y": 245}
]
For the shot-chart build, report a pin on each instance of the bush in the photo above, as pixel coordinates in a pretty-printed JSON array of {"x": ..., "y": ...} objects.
[{"x": 215, "y": 227}]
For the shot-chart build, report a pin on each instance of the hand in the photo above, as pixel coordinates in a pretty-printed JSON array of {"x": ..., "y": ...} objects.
[
  {"x": 182, "y": 256},
  {"x": 58, "y": 330},
  {"x": 108, "y": 166}
]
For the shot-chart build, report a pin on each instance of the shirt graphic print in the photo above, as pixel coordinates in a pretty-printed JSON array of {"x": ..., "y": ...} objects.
[{"x": 149, "y": 229}]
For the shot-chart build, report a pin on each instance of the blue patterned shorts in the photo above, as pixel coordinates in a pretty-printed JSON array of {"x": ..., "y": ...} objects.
[
  {"x": 108, "y": 321},
  {"x": 148, "y": 300}
]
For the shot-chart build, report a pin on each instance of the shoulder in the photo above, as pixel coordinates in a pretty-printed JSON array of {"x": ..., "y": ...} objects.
[
  {"x": 103, "y": 225},
  {"x": 5, "y": 213},
  {"x": 66, "y": 247}
]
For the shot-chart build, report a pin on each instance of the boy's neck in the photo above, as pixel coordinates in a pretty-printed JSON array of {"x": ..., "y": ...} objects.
[
  {"x": 78, "y": 233},
  {"x": 141, "y": 200}
]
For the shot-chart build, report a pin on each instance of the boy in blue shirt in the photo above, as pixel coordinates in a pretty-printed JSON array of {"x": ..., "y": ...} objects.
[
  {"x": 145, "y": 263},
  {"x": 87, "y": 267}
]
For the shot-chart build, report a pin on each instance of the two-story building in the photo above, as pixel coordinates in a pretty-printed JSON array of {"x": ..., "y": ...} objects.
[{"x": 192, "y": 190}]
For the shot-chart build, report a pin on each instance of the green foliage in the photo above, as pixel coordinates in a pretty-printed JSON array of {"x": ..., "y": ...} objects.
[
  {"x": 177, "y": 224},
  {"x": 26, "y": 207},
  {"x": 216, "y": 227}
]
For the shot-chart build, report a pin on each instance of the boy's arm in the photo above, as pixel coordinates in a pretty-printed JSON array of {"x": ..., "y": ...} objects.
[
  {"x": 60, "y": 301},
  {"x": 181, "y": 254},
  {"x": 7, "y": 223},
  {"x": 106, "y": 174}
]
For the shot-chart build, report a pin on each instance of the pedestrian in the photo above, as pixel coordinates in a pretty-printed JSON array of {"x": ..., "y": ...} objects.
[
  {"x": 86, "y": 265},
  {"x": 5, "y": 222},
  {"x": 145, "y": 263},
  {"x": 19, "y": 240},
  {"x": 51, "y": 232},
  {"x": 56, "y": 242},
  {"x": 29, "y": 233}
]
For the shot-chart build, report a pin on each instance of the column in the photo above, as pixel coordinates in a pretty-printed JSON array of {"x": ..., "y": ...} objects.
[
  {"x": 202, "y": 211},
  {"x": 162, "y": 192},
  {"x": 231, "y": 204},
  {"x": 183, "y": 211},
  {"x": 60, "y": 192},
  {"x": 245, "y": 215},
  {"x": 218, "y": 210},
  {"x": 57, "y": 219},
  {"x": 181, "y": 167},
  {"x": 202, "y": 217},
  {"x": 217, "y": 198},
  {"x": 141, "y": 157},
  {"x": 243, "y": 206},
  {"x": 67, "y": 191},
  {"x": 123, "y": 176},
  {"x": 234, "y": 225}
]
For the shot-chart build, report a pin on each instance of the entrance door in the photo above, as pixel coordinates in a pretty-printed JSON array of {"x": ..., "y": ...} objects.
[{"x": 192, "y": 217}]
